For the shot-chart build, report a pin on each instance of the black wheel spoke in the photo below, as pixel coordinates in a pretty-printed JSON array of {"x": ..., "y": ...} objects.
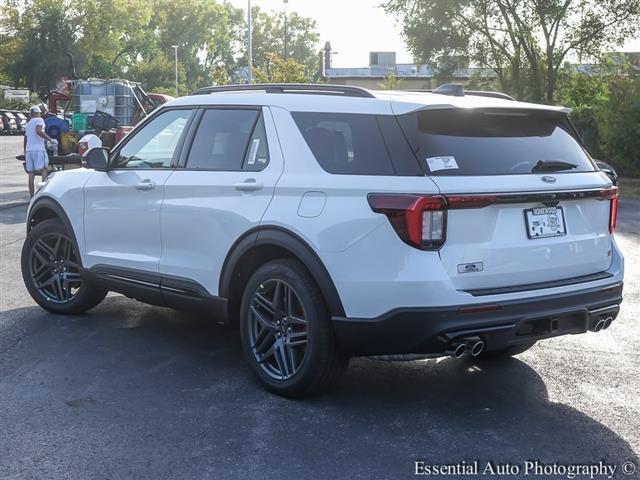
[
  {"x": 55, "y": 272},
  {"x": 278, "y": 329},
  {"x": 297, "y": 339},
  {"x": 265, "y": 339},
  {"x": 264, "y": 303}
]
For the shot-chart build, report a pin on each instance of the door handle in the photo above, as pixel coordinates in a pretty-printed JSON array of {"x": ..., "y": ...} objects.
[
  {"x": 249, "y": 185},
  {"x": 145, "y": 185}
]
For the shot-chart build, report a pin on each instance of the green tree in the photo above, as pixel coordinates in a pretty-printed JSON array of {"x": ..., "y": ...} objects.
[
  {"x": 35, "y": 40},
  {"x": 279, "y": 70},
  {"x": 526, "y": 42},
  {"x": 606, "y": 111},
  {"x": 391, "y": 82},
  {"x": 268, "y": 39}
]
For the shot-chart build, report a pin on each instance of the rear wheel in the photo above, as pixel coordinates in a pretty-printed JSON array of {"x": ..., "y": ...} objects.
[
  {"x": 509, "y": 351},
  {"x": 286, "y": 332},
  {"x": 51, "y": 271}
]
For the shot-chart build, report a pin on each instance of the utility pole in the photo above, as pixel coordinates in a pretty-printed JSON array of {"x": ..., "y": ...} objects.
[
  {"x": 285, "y": 29},
  {"x": 250, "y": 43},
  {"x": 175, "y": 51}
]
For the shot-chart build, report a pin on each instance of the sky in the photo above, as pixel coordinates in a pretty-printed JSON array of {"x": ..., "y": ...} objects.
[{"x": 355, "y": 28}]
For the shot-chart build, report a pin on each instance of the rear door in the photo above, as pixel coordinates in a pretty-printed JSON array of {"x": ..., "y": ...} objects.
[
  {"x": 224, "y": 184},
  {"x": 525, "y": 201}
]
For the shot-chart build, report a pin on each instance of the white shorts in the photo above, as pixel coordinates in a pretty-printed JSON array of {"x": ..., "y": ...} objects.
[{"x": 36, "y": 160}]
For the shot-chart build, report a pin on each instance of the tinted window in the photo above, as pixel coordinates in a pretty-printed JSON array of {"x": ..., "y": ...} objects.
[
  {"x": 154, "y": 145},
  {"x": 345, "y": 143},
  {"x": 222, "y": 139},
  {"x": 491, "y": 142},
  {"x": 257, "y": 155}
]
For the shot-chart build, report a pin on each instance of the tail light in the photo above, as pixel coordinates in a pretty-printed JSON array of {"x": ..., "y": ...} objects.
[
  {"x": 613, "y": 215},
  {"x": 612, "y": 195},
  {"x": 418, "y": 220}
]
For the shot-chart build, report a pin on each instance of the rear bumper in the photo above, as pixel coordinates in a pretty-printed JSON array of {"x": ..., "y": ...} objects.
[{"x": 431, "y": 330}]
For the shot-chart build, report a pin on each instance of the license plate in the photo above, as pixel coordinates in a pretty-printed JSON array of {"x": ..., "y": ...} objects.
[{"x": 545, "y": 222}]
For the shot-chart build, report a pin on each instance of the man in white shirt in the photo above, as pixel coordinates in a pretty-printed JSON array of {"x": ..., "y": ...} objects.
[{"x": 35, "y": 154}]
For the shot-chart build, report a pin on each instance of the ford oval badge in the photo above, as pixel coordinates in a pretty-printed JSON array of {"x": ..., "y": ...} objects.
[{"x": 549, "y": 179}]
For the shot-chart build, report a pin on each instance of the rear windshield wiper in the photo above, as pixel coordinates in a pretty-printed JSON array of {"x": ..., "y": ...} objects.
[{"x": 552, "y": 166}]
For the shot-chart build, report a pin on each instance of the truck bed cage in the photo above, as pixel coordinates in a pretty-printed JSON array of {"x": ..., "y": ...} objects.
[{"x": 305, "y": 88}]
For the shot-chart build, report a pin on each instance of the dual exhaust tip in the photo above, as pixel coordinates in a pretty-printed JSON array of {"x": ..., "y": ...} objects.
[
  {"x": 471, "y": 346},
  {"x": 602, "y": 324}
]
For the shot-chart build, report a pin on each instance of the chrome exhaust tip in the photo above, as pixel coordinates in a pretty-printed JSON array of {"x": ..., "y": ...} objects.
[
  {"x": 477, "y": 348},
  {"x": 599, "y": 326},
  {"x": 607, "y": 322},
  {"x": 456, "y": 350}
]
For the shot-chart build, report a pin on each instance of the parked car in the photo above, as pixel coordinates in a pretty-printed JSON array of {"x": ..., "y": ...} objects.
[
  {"x": 21, "y": 120},
  {"x": 327, "y": 222},
  {"x": 9, "y": 124},
  {"x": 609, "y": 170}
]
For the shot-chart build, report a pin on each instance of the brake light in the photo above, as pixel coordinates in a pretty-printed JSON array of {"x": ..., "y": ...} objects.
[
  {"x": 613, "y": 214},
  {"x": 418, "y": 220},
  {"x": 612, "y": 195}
]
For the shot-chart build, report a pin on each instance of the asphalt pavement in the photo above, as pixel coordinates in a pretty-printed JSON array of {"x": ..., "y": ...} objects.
[{"x": 130, "y": 391}]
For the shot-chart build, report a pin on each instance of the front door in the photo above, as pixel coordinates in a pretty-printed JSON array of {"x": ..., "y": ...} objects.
[{"x": 122, "y": 205}]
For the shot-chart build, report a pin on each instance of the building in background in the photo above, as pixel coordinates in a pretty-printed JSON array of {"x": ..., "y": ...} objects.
[{"x": 382, "y": 66}]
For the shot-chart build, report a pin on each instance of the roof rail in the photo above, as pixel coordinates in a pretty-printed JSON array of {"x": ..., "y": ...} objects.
[
  {"x": 484, "y": 93},
  {"x": 457, "y": 90},
  {"x": 308, "y": 88}
]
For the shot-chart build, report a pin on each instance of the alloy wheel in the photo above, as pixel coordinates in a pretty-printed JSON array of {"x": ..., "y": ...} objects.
[
  {"x": 54, "y": 268},
  {"x": 278, "y": 329}
]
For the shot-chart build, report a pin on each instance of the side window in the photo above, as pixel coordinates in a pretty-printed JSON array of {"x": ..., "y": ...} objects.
[
  {"x": 154, "y": 146},
  {"x": 345, "y": 143},
  {"x": 224, "y": 140},
  {"x": 257, "y": 156}
]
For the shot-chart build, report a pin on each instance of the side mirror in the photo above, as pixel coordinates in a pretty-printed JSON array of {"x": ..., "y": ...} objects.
[{"x": 97, "y": 158}]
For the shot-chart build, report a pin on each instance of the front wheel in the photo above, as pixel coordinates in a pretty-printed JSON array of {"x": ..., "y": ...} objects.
[
  {"x": 286, "y": 332},
  {"x": 51, "y": 271}
]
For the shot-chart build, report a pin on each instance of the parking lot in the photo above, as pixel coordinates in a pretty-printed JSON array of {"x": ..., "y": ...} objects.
[{"x": 133, "y": 391}]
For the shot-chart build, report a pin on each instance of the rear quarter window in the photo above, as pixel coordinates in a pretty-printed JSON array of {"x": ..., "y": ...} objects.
[
  {"x": 345, "y": 143},
  {"x": 492, "y": 141}
]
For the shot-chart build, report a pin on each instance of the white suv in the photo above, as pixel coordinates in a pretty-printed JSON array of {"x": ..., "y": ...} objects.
[{"x": 330, "y": 221}]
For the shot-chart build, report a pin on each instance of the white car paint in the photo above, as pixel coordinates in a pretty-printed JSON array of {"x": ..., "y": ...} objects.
[{"x": 186, "y": 225}]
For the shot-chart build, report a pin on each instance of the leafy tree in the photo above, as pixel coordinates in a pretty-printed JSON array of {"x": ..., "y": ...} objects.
[
  {"x": 391, "y": 82},
  {"x": 279, "y": 70},
  {"x": 36, "y": 40},
  {"x": 268, "y": 39},
  {"x": 525, "y": 42}
]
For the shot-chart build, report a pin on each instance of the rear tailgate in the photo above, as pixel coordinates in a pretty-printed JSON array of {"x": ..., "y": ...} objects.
[
  {"x": 496, "y": 246},
  {"x": 525, "y": 204}
]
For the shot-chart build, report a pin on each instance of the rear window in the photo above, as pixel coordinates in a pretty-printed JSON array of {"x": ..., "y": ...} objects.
[
  {"x": 492, "y": 142},
  {"x": 345, "y": 143}
]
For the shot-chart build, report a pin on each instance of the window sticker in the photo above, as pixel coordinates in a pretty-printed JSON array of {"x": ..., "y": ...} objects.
[
  {"x": 254, "y": 151},
  {"x": 441, "y": 163}
]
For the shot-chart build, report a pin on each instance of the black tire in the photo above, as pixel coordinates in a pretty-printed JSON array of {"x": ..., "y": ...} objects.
[
  {"x": 321, "y": 364},
  {"x": 509, "y": 351},
  {"x": 68, "y": 293}
]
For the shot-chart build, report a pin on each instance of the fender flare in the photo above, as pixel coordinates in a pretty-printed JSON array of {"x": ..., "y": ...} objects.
[
  {"x": 283, "y": 238},
  {"x": 51, "y": 204}
]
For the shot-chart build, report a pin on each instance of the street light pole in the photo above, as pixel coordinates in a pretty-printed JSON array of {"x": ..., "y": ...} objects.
[
  {"x": 175, "y": 51},
  {"x": 250, "y": 43},
  {"x": 285, "y": 29}
]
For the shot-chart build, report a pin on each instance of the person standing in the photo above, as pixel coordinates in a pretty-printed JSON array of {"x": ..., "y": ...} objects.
[{"x": 35, "y": 153}]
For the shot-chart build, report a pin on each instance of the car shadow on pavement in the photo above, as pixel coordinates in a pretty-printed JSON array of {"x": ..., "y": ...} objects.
[{"x": 134, "y": 391}]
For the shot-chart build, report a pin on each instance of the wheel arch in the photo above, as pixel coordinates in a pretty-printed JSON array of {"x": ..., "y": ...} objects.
[
  {"x": 268, "y": 243},
  {"x": 46, "y": 208}
]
